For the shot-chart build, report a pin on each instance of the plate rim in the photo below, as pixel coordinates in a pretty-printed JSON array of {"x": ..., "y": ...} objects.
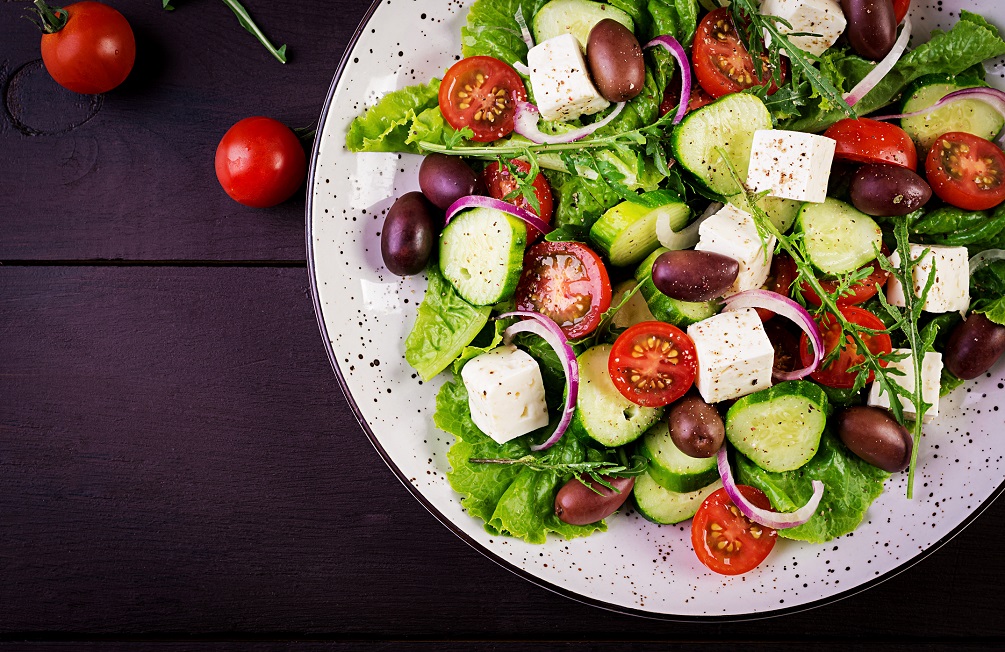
[{"x": 455, "y": 529}]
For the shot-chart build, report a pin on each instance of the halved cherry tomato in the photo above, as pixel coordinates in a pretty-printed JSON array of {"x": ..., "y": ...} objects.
[
  {"x": 722, "y": 64},
  {"x": 785, "y": 268},
  {"x": 780, "y": 278},
  {"x": 727, "y": 541},
  {"x": 836, "y": 374},
  {"x": 870, "y": 141},
  {"x": 478, "y": 92},
  {"x": 966, "y": 171},
  {"x": 900, "y": 8},
  {"x": 653, "y": 363},
  {"x": 500, "y": 183},
  {"x": 566, "y": 281},
  {"x": 671, "y": 96}
]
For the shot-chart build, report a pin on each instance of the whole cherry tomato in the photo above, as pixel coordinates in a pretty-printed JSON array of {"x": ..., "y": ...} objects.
[{"x": 260, "y": 162}]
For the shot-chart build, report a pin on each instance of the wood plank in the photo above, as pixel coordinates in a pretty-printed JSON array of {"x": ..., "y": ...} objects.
[
  {"x": 176, "y": 460},
  {"x": 129, "y": 175}
]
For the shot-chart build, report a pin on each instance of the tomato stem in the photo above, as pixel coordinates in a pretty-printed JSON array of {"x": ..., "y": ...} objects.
[{"x": 53, "y": 19}]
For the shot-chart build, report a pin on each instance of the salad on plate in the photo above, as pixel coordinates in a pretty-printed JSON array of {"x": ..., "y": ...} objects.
[{"x": 722, "y": 261}]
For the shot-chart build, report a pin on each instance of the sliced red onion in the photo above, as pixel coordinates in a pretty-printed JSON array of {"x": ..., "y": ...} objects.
[
  {"x": 786, "y": 307},
  {"x": 687, "y": 237},
  {"x": 480, "y": 201},
  {"x": 524, "y": 32},
  {"x": 527, "y": 115},
  {"x": 882, "y": 68},
  {"x": 548, "y": 330},
  {"x": 521, "y": 68},
  {"x": 984, "y": 258},
  {"x": 991, "y": 96},
  {"x": 677, "y": 51},
  {"x": 767, "y": 518}
]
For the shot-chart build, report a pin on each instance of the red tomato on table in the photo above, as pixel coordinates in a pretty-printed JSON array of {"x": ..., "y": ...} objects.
[
  {"x": 478, "y": 92},
  {"x": 92, "y": 52},
  {"x": 727, "y": 541},
  {"x": 870, "y": 141},
  {"x": 260, "y": 162},
  {"x": 653, "y": 363},
  {"x": 722, "y": 64},
  {"x": 966, "y": 171}
]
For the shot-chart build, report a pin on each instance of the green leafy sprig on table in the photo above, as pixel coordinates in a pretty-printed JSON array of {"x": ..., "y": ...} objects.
[
  {"x": 906, "y": 319},
  {"x": 247, "y": 23}
]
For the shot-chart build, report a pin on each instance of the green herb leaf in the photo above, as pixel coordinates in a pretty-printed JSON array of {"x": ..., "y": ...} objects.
[{"x": 246, "y": 21}]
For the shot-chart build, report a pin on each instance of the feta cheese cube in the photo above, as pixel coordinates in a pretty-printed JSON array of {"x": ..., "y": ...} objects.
[
  {"x": 561, "y": 80},
  {"x": 505, "y": 393},
  {"x": 931, "y": 374},
  {"x": 791, "y": 164},
  {"x": 951, "y": 290},
  {"x": 731, "y": 232},
  {"x": 735, "y": 357},
  {"x": 823, "y": 17}
]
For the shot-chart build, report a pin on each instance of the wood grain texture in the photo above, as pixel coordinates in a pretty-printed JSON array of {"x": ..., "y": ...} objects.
[
  {"x": 148, "y": 146},
  {"x": 176, "y": 460}
]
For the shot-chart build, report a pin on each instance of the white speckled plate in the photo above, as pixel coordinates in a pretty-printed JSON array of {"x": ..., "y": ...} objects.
[{"x": 636, "y": 566}]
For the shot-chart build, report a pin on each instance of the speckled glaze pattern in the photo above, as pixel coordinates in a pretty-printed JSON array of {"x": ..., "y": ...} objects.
[{"x": 637, "y": 567}]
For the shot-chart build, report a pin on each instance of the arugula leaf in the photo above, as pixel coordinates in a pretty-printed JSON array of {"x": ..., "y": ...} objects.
[
  {"x": 386, "y": 126},
  {"x": 444, "y": 326},
  {"x": 851, "y": 485}
]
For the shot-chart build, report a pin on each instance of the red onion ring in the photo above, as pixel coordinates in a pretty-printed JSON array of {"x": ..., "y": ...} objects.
[
  {"x": 677, "y": 51},
  {"x": 774, "y": 520},
  {"x": 551, "y": 333},
  {"x": 786, "y": 307},
  {"x": 882, "y": 68},
  {"x": 991, "y": 96},
  {"x": 522, "y": 24},
  {"x": 480, "y": 201},
  {"x": 526, "y": 117},
  {"x": 688, "y": 236},
  {"x": 985, "y": 258}
]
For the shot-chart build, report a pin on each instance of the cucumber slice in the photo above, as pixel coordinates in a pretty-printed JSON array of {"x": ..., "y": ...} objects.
[
  {"x": 602, "y": 412},
  {"x": 635, "y": 311},
  {"x": 970, "y": 116},
  {"x": 576, "y": 17},
  {"x": 667, "y": 507},
  {"x": 662, "y": 307},
  {"x": 728, "y": 123},
  {"x": 782, "y": 212},
  {"x": 839, "y": 238},
  {"x": 670, "y": 467},
  {"x": 779, "y": 428},
  {"x": 481, "y": 254},
  {"x": 627, "y": 232}
]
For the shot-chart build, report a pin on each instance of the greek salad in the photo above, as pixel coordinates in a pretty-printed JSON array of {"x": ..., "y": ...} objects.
[{"x": 721, "y": 260}]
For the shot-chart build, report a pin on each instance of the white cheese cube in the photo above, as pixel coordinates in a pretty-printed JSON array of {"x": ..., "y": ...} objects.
[
  {"x": 823, "y": 17},
  {"x": 561, "y": 80},
  {"x": 731, "y": 232},
  {"x": 951, "y": 290},
  {"x": 931, "y": 374},
  {"x": 791, "y": 164},
  {"x": 735, "y": 356},
  {"x": 505, "y": 393}
]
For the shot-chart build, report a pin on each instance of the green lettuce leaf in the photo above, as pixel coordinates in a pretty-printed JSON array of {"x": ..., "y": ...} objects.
[
  {"x": 850, "y": 486},
  {"x": 977, "y": 230},
  {"x": 445, "y": 324},
  {"x": 987, "y": 291},
  {"x": 512, "y": 500},
  {"x": 385, "y": 127},
  {"x": 489, "y": 338},
  {"x": 971, "y": 41},
  {"x": 492, "y": 29}
]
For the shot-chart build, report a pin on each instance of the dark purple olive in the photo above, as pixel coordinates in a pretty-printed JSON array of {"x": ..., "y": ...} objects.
[
  {"x": 974, "y": 346},
  {"x": 887, "y": 190},
  {"x": 445, "y": 179},
  {"x": 408, "y": 236},
  {"x": 577, "y": 504},
  {"x": 875, "y": 436},
  {"x": 696, "y": 427},
  {"x": 689, "y": 275},
  {"x": 615, "y": 59},
  {"x": 872, "y": 27}
]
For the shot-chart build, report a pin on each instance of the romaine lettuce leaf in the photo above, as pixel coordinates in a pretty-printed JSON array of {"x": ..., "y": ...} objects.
[
  {"x": 492, "y": 29},
  {"x": 850, "y": 486},
  {"x": 512, "y": 500},
  {"x": 987, "y": 292},
  {"x": 445, "y": 324},
  {"x": 385, "y": 126}
]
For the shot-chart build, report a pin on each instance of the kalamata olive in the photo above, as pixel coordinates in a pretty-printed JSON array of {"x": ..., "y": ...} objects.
[
  {"x": 887, "y": 190},
  {"x": 408, "y": 236},
  {"x": 874, "y": 435},
  {"x": 974, "y": 346},
  {"x": 696, "y": 427},
  {"x": 689, "y": 275},
  {"x": 577, "y": 504},
  {"x": 872, "y": 27},
  {"x": 615, "y": 60},
  {"x": 445, "y": 179}
]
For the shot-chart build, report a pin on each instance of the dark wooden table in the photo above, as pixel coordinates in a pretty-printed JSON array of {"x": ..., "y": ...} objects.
[{"x": 176, "y": 458}]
